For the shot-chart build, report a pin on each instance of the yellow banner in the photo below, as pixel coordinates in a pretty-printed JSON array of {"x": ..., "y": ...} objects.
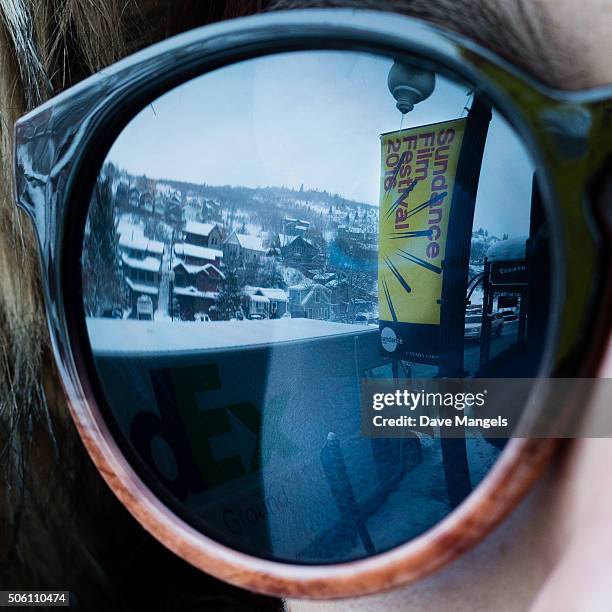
[{"x": 417, "y": 181}]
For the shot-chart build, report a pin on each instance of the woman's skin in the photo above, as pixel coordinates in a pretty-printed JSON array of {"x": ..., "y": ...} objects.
[{"x": 60, "y": 527}]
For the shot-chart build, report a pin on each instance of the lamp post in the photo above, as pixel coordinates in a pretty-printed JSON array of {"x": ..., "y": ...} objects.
[{"x": 409, "y": 85}]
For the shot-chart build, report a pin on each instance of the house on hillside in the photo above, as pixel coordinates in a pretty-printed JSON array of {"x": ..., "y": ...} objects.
[
  {"x": 196, "y": 288},
  {"x": 310, "y": 301},
  {"x": 196, "y": 255},
  {"x": 270, "y": 303},
  {"x": 197, "y": 275},
  {"x": 358, "y": 241},
  {"x": 295, "y": 227},
  {"x": 204, "y": 278},
  {"x": 202, "y": 234},
  {"x": 211, "y": 210},
  {"x": 173, "y": 210},
  {"x": 292, "y": 229},
  {"x": 299, "y": 251},
  {"x": 193, "y": 302},
  {"x": 324, "y": 278},
  {"x": 244, "y": 247},
  {"x": 141, "y": 264}
]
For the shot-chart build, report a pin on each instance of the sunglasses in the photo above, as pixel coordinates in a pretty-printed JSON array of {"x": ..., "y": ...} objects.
[{"x": 242, "y": 226}]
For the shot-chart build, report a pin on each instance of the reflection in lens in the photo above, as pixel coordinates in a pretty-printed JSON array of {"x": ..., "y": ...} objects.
[{"x": 264, "y": 238}]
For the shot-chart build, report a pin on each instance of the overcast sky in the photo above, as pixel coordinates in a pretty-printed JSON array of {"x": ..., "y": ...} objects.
[{"x": 310, "y": 118}]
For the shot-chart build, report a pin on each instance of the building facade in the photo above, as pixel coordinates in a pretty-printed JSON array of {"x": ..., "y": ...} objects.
[
  {"x": 141, "y": 260},
  {"x": 243, "y": 248},
  {"x": 197, "y": 275},
  {"x": 267, "y": 302},
  {"x": 310, "y": 301},
  {"x": 203, "y": 234}
]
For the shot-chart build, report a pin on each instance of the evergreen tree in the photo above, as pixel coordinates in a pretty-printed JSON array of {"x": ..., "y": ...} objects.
[
  {"x": 103, "y": 286},
  {"x": 175, "y": 309},
  {"x": 229, "y": 299},
  {"x": 270, "y": 275}
]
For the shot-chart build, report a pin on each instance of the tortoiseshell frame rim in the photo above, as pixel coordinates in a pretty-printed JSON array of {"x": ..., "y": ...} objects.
[{"x": 58, "y": 151}]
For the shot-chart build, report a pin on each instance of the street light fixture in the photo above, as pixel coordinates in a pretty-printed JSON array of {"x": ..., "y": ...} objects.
[{"x": 409, "y": 85}]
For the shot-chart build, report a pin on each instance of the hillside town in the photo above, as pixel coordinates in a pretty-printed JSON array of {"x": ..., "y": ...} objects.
[
  {"x": 199, "y": 253},
  {"x": 160, "y": 249}
]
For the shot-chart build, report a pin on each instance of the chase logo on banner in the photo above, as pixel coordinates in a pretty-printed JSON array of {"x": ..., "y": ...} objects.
[{"x": 417, "y": 182}]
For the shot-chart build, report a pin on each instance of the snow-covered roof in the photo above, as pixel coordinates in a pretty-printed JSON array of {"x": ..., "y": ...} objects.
[
  {"x": 179, "y": 263},
  {"x": 201, "y": 229},
  {"x": 184, "y": 249},
  {"x": 127, "y": 226},
  {"x": 300, "y": 221},
  {"x": 211, "y": 295},
  {"x": 252, "y": 243},
  {"x": 190, "y": 269},
  {"x": 314, "y": 288},
  {"x": 139, "y": 242},
  {"x": 122, "y": 336},
  {"x": 150, "y": 264},
  {"x": 140, "y": 288},
  {"x": 210, "y": 267},
  {"x": 272, "y": 293},
  {"x": 294, "y": 238},
  {"x": 258, "y": 298},
  {"x": 513, "y": 249},
  {"x": 285, "y": 239}
]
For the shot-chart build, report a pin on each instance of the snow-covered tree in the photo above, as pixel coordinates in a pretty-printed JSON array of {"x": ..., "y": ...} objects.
[
  {"x": 103, "y": 286},
  {"x": 270, "y": 274},
  {"x": 229, "y": 300},
  {"x": 175, "y": 309}
]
